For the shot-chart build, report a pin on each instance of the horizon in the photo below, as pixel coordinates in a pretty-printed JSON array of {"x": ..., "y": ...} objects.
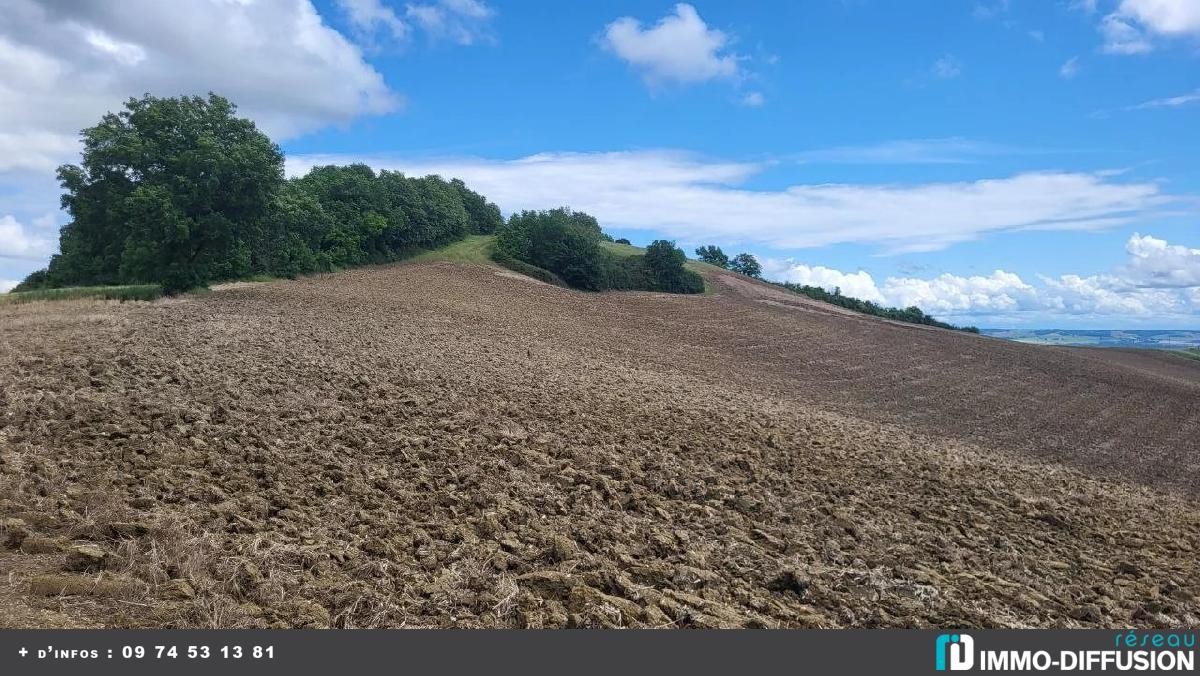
[{"x": 1006, "y": 164}]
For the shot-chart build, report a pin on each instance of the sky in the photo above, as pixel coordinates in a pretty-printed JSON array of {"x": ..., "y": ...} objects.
[{"x": 1001, "y": 163}]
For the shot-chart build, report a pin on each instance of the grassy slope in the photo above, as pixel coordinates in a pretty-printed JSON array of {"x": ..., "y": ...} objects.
[{"x": 472, "y": 250}]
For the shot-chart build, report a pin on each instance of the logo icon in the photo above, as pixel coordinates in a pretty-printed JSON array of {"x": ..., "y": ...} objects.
[{"x": 960, "y": 648}]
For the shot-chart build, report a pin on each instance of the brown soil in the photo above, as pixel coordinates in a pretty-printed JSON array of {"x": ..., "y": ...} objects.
[{"x": 440, "y": 445}]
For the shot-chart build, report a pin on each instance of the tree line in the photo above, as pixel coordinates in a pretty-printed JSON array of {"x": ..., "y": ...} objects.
[
  {"x": 746, "y": 264},
  {"x": 181, "y": 192}
]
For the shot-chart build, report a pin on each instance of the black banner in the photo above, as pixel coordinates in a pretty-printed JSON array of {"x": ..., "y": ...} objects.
[{"x": 230, "y": 652}]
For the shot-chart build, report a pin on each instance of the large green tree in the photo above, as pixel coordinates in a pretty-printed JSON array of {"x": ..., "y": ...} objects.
[
  {"x": 169, "y": 190},
  {"x": 746, "y": 264}
]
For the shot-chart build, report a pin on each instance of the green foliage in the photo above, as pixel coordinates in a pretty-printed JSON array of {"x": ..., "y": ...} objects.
[
  {"x": 664, "y": 262},
  {"x": 911, "y": 315},
  {"x": 181, "y": 192},
  {"x": 622, "y": 240},
  {"x": 165, "y": 192},
  {"x": 484, "y": 216},
  {"x": 570, "y": 245},
  {"x": 121, "y": 293},
  {"x": 746, "y": 264},
  {"x": 564, "y": 242},
  {"x": 713, "y": 256}
]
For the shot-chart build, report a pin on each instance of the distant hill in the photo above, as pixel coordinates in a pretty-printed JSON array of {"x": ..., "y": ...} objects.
[{"x": 1157, "y": 339}]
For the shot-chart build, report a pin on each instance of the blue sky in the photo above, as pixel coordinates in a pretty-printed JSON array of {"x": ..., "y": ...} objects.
[{"x": 1022, "y": 163}]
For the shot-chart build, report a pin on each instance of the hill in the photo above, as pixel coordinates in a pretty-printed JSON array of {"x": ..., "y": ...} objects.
[{"x": 445, "y": 443}]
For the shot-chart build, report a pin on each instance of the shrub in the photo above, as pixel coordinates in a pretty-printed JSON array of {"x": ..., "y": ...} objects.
[
  {"x": 664, "y": 263},
  {"x": 567, "y": 244}
]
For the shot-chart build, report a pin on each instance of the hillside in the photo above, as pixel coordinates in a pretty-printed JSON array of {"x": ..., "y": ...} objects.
[{"x": 444, "y": 443}]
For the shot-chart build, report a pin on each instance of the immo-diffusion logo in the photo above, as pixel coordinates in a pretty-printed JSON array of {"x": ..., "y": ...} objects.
[
  {"x": 1132, "y": 651},
  {"x": 959, "y": 648}
]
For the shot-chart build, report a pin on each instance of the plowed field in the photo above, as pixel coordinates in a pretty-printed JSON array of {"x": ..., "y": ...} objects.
[{"x": 432, "y": 444}]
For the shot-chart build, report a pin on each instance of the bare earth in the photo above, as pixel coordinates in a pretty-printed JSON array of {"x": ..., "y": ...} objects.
[{"x": 441, "y": 445}]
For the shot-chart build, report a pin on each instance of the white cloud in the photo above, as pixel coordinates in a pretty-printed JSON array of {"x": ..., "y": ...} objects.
[
  {"x": 1160, "y": 282},
  {"x": 947, "y": 67},
  {"x": 858, "y": 284},
  {"x": 680, "y": 48},
  {"x": 7, "y": 285},
  {"x": 908, "y": 151},
  {"x": 1130, "y": 28},
  {"x": 1155, "y": 263},
  {"x": 700, "y": 200},
  {"x": 1069, "y": 69},
  {"x": 1039, "y": 36},
  {"x": 1122, "y": 37},
  {"x": 464, "y": 22},
  {"x": 369, "y": 16},
  {"x": 18, "y": 242},
  {"x": 754, "y": 100},
  {"x": 949, "y": 294},
  {"x": 63, "y": 65},
  {"x": 1167, "y": 17},
  {"x": 1169, "y": 102}
]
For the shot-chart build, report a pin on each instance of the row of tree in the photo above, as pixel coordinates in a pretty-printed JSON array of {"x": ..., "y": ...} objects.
[
  {"x": 911, "y": 314},
  {"x": 568, "y": 245},
  {"x": 182, "y": 192},
  {"x": 746, "y": 264}
]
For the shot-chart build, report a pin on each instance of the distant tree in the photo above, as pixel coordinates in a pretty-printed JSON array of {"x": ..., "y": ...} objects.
[
  {"x": 167, "y": 191},
  {"x": 624, "y": 241},
  {"x": 746, "y": 264},
  {"x": 713, "y": 256}
]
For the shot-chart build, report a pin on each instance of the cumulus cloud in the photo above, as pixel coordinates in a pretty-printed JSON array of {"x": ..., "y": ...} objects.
[
  {"x": 7, "y": 285},
  {"x": 858, "y": 284},
  {"x": 1160, "y": 280},
  {"x": 63, "y": 65},
  {"x": 699, "y": 200},
  {"x": 679, "y": 49},
  {"x": 18, "y": 241},
  {"x": 1155, "y": 263},
  {"x": 1135, "y": 23}
]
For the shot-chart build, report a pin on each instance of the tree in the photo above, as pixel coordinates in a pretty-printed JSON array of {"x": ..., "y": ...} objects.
[
  {"x": 746, "y": 264},
  {"x": 664, "y": 262},
  {"x": 166, "y": 192},
  {"x": 565, "y": 242},
  {"x": 484, "y": 216},
  {"x": 624, "y": 241},
  {"x": 713, "y": 256}
]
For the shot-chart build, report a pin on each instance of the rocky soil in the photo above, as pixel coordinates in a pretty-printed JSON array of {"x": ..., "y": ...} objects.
[{"x": 438, "y": 445}]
